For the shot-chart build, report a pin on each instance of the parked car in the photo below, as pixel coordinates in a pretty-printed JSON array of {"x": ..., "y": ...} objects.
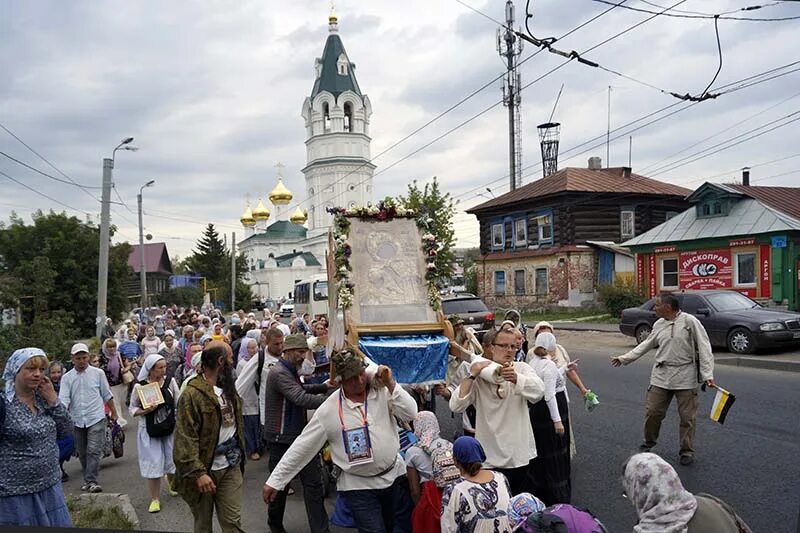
[
  {"x": 732, "y": 320},
  {"x": 287, "y": 308},
  {"x": 472, "y": 309}
]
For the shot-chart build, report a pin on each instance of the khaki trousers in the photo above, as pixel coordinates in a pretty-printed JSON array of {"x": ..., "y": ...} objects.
[
  {"x": 658, "y": 401},
  {"x": 227, "y": 500}
]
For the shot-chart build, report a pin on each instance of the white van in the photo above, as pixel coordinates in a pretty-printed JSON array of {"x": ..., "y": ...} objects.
[{"x": 311, "y": 296}]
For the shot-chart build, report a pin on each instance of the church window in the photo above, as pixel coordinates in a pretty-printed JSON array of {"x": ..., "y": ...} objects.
[
  {"x": 326, "y": 113},
  {"x": 341, "y": 65},
  {"x": 351, "y": 187},
  {"x": 310, "y": 192},
  {"x": 348, "y": 116},
  {"x": 352, "y": 205}
]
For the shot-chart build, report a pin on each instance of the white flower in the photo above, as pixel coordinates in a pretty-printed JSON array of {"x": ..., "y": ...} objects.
[{"x": 429, "y": 237}]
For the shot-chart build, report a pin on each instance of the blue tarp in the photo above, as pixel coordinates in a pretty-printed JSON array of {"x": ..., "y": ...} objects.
[{"x": 414, "y": 359}]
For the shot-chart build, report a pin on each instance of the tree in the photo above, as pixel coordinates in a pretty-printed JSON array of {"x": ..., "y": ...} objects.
[
  {"x": 209, "y": 260},
  {"x": 439, "y": 208},
  {"x": 179, "y": 266},
  {"x": 51, "y": 267}
]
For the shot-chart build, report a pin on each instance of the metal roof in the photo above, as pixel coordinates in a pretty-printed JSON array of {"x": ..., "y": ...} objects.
[
  {"x": 784, "y": 199},
  {"x": 607, "y": 180},
  {"x": 286, "y": 260},
  {"x": 329, "y": 79},
  {"x": 156, "y": 258},
  {"x": 747, "y": 217},
  {"x": 281, "y": 229}
]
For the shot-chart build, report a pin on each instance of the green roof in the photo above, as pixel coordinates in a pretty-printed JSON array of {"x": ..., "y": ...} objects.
[
  {"x": 330, "y": 80},
  {"x": 282, "y": 229},
  {"x": 286, "y": 260}
]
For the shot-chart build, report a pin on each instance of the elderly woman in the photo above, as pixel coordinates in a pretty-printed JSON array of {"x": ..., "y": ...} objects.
[
  {"x": 419, "y": 464},
  {"x": 32, "y": 419},
  {"x": 155, "y": 453},
  {"x": 664, "y": 506},
  {"x": 115, "y": 366},
  {"x": 172, "y": 353},
  {"x": 561, "y": 358},
  {"x": 252, "y": 425}
]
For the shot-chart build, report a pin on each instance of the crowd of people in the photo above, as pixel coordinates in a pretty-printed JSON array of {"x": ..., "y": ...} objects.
[{"x": 211, "y": 392}]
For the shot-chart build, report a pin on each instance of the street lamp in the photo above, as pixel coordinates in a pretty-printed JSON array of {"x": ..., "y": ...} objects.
[
  {"x": 142, "y": 272},
  {"x": 105, "y": 223}
]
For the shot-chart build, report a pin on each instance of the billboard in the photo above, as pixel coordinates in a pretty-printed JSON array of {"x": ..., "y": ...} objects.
[{"x": 708, "y": 269}]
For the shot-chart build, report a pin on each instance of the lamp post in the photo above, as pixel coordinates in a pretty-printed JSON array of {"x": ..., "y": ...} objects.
[
  {"x": 105, "y": 222},
  {"x": 142, "y": 271}
]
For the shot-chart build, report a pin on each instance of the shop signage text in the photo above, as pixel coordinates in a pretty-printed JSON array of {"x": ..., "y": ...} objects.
[{"x": 709, "y": 269}]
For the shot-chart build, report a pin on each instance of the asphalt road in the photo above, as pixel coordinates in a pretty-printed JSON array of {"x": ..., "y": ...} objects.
[{"x": 750, "y": 461}]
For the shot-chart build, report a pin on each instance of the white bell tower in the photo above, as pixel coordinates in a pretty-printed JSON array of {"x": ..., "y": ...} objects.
[{"x": 338, "y": 172}]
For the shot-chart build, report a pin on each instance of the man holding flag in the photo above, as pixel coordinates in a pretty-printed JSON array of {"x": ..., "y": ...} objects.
[{"x": 683, "y": 359}]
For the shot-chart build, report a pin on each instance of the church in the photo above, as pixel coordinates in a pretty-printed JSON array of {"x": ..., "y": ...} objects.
[{"x": 285, "y": 245}]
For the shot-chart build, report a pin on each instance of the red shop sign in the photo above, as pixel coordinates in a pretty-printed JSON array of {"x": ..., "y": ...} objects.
[
  {"x": 640, "y": 269},
  {"x": 652, "y": 275},
  {"x": 708, "y": 269},
  {"x": 766, "y": 283}
]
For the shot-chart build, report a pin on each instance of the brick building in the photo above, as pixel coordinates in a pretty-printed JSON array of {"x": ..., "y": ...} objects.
[{"x": 553, "y": 241}]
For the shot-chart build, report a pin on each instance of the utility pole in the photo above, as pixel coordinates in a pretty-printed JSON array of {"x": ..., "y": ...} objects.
[
  {"x": 233, "y": 271},
  {"x": 509, "y": 47},
  {"x": 608, "y": 131},
  {"x": 102, "y": 271},
  {"x": 142, "y": 272}
]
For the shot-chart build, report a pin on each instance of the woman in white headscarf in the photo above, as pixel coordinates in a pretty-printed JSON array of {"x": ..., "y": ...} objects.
[
  {"x": 155, "y": 452},
  {"x": 252, "y": 426},
  {"x": 664, "y": 506}
]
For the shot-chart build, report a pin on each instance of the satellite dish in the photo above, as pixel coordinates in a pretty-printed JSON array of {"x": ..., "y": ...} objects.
[{"x": 149, "y": 237}]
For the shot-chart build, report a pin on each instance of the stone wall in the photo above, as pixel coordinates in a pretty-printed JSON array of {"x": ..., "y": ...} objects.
[{"x": 571, "y": 281}]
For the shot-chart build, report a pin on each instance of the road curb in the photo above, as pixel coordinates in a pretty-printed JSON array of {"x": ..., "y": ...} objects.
[
  {"x": 767, "y": 364},
  {"x": 582, "y": 326},
  {"x": 114, "y": 499}
]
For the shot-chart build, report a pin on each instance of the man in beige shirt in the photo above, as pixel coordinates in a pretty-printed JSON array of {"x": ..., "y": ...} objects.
[{"x": 683, "y": 359}]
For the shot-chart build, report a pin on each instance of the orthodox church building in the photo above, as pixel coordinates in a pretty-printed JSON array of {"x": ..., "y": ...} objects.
[{"x": 288, "y": 243}]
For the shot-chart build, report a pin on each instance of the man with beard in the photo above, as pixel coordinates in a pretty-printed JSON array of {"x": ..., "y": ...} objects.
[{"x": 209, "y": 443}]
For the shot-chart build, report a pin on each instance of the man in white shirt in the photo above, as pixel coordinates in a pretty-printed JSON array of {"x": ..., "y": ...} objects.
[
  {"x": 256, "y": 370},
  {"x": 683, "y": 359},
  {"x": 359, "y": 424},
  {"x": 85, "y": 392},
  {"x": 500, "y": 391}
]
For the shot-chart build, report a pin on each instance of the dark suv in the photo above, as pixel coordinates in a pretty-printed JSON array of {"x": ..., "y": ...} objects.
[
  {"x": 472, "y": 309},
  {"x": 731, "y": 319}
]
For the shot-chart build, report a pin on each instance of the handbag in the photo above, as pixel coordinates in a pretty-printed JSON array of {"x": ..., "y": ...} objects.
[
  {"x": 117, "y": 440},
  {"x": 127, "y": 377}
]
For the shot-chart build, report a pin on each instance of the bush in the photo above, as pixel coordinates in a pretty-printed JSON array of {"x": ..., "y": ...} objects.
[{"x": 615, "y": 298}]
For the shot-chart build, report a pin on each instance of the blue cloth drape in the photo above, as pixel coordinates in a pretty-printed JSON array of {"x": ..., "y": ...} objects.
[{"x": 414, "y": 359}]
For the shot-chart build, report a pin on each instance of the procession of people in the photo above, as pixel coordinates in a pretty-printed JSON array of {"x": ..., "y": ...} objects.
[{"x": 231, "y": 389}]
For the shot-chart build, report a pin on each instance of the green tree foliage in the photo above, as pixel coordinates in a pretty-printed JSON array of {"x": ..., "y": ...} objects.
[
  {"x": 51, "y": 266},
  {"x": 210, "y": 257},
  {"x": 471, "y": 278},
  {"x": 212, "y": 260},
  {"x": 182, "y": 297},
  {"x": 430, "y": 202},
  {"x": 620, "y": 296}
]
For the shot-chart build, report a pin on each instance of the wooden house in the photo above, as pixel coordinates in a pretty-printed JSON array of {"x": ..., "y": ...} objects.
[{"x": 553, "y": 241}]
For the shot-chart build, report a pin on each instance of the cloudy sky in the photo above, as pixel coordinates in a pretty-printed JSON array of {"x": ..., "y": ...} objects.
[{"x": 212, "y": 92}]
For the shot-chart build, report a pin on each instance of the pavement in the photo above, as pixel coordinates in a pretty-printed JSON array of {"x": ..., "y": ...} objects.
[{"x": 750, "y": 461}]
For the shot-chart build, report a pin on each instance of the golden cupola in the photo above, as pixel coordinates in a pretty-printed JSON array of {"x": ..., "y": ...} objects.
[
  {"x": 247, "y": 219},
  {"x": 299, "y": 217},
  {"x": 260, "y": 212},
  {"x": 280, "y": 195}
]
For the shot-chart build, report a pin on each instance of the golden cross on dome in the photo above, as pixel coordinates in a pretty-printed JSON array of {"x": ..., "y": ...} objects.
[{"x": 280, "y": 166}]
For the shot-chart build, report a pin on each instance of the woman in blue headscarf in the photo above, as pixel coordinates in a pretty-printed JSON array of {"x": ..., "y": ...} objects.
[{"x": 31, "y": 420}]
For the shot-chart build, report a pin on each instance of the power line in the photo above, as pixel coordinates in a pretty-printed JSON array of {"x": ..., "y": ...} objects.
[
  {"x": 45, "y": 174},
  {"x": 453, "y": 107},
  {"x": 750, "y": 8},
  {"x": 736, "y": 85},
  {"x": 18, "y": 182},
  {"x": 760, "y": 113},
  {"x": 609, "y": 39},
  {"x": 43, "y": 158},
  {"x": 703, "y": 16}
]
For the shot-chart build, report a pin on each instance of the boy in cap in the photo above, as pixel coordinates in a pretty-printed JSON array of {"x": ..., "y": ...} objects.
[
  {"x": 85, "y": 393},
  {"x": 373, "y": 479}
]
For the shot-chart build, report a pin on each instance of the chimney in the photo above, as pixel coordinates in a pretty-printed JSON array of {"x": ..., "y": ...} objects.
[
  {"x": 595, "y": 163},
  {"x": 746, "y": 176},
  {"x": 626, "y": 172}
]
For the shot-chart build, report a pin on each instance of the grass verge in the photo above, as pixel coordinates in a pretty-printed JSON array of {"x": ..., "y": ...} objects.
[{"x": 92, "y": 515}]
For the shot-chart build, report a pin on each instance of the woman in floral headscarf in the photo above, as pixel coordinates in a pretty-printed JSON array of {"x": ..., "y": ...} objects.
[
  {"x": 664, "y": 506},
  {"x": 33, "y": 420},
  {"x": 418, "y": 457}
]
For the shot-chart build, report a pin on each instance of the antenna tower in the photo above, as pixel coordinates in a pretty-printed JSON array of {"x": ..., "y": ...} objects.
[
  {"x": 509, "y": 46},
  {"x": 549, "y": 134}
]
